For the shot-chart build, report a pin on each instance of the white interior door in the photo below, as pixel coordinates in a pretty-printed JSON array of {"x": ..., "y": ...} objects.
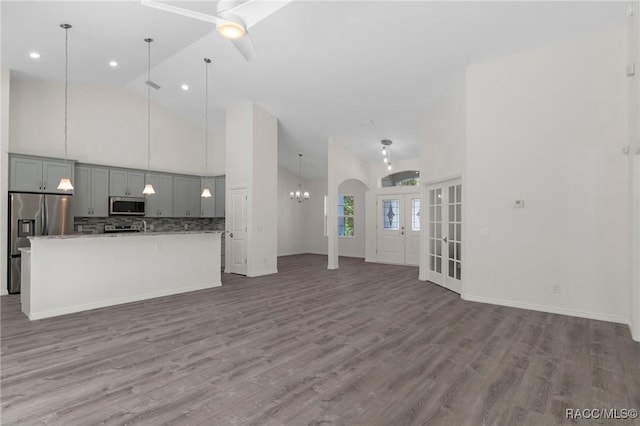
[
  {"x": 445, "y": 234},
  {"x": 238, "y": 231},
  {"x": 398, "y": 236}
]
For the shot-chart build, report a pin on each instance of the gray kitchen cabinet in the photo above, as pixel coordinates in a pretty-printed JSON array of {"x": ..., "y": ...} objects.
[
  {"x": 33, "y": 174},
  {"x": 91, "y": 197},
  {"x": 186, "y": 196},
  {"x": 126, "y": 183},
  {"x": 219, "y": 196},
  {"x": 207, "y": 205},
  {"x": 160, "y": 204}
]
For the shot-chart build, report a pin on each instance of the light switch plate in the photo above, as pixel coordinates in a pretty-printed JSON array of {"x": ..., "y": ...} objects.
[{"x": 518, "y": 204}]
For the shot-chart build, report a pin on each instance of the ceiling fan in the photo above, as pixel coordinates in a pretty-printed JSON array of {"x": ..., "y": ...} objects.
[{"x": 234, "y": 18}]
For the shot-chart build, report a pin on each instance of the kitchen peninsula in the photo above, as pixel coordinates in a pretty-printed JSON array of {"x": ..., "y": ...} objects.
[{"x": 72, "y": 273}]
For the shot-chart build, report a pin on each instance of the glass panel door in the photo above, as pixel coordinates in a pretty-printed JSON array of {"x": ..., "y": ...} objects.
[
  {"x": 454, "y": 220},
  {"x": 435, "y": 230},
  {"x": 444, "y": 235}
]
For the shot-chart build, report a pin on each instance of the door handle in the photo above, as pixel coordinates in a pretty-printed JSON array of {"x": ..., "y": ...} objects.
[
  {"x": 401, "y": 232},
  {"x": 444, "y": 239},
  {"x": 231, "y": 234}
]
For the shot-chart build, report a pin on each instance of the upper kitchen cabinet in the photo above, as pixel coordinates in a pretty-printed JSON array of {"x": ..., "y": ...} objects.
[
  {"x": 160, "y": 204},
  {"x": 33, "y": 174},
  {"x": 219, "y": 196},
  {"x": 207, "y": 205},
  {"x": 186, "y": 196},
  {"x": 126, "y": 183},
  {"x": 91, "y": 196}
]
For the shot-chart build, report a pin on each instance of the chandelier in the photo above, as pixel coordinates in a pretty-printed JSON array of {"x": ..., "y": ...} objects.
[{"x": 299, "y": 194}]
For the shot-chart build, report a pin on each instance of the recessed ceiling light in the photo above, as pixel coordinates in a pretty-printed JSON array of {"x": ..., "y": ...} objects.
[
  {"x": 113, "y": 64},
  {"x": 34, "y": 55},
  {"x": 185, "y": 87}
]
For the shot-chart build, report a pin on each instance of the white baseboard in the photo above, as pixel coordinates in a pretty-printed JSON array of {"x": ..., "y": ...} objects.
[
  {"x": 545, "y": 308},
  {"x": 117, "y": 301}
]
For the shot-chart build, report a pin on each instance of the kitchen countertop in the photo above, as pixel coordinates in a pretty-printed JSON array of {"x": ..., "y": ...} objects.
[{"x": 120, "y": 234}]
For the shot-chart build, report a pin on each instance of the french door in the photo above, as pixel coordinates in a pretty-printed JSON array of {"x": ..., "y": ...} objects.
[
  {"x": 238, "y": 231},
  {"x": 398, "y": 229},
  {"x": 444, "y": 218}
]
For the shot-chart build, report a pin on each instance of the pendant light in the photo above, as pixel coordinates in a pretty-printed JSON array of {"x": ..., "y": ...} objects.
[
  {"x": 205, "y": 191},
  {"x": 65, "y": 182},
  {"x": 299, "y": 195},
  {"x": 148, "y": 188},
  {"x": 386, "y": 152}
]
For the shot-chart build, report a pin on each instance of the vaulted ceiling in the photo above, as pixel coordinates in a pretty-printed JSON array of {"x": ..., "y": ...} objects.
[{"x": 359, "y": 71}]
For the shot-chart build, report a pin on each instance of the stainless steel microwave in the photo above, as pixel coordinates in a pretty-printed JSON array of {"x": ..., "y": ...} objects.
[{"x": 126, "y": 206}]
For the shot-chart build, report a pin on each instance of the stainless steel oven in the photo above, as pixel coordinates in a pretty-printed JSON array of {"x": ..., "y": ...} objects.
[{"x": 126, "y": 206}]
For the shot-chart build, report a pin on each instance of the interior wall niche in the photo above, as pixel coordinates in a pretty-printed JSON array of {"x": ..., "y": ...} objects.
[{"x": 404, "y": 178}]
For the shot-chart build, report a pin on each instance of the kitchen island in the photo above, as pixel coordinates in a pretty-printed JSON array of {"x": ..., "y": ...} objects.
[{"x": 72, "y": 273}]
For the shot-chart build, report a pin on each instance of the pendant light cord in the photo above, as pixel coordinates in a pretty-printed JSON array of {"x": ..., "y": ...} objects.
[
  {"x": 149, "y": 111},
  {"x": 66, "y": 86},
  {"x": 207, "y": 61}
]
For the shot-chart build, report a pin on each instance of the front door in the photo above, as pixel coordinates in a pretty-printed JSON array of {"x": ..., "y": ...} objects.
[
  {"x": 445, "y": 234},
  {"x": 398, "y": 236},
  {"x": 238, "y": 232}
]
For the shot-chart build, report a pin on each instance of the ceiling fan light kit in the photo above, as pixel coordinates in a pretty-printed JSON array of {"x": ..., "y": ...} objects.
[
  {"x": 231, "y": 30},
  {"x": 233, "y": 20}
]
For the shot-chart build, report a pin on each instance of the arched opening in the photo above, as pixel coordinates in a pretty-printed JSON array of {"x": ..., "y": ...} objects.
[{"x": 351, "y": 218}]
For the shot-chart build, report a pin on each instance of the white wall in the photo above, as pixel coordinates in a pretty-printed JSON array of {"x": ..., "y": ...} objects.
[
  {"x": 107, "y": 125},
  {"x": 263, "y": 207},
  {"x": 5, "y": 82},
  {"x": 292, "y": 216},
  {"x": 314, "y": 239},
  {"x": 354, "y": 246},
  {"x": 342, "y": 164},
  {"x": 444, "y": 130},
  {"x": 548, "y": 126},
  {"x": 634, "y": 170},
  {"x": 252, "y": 163}
]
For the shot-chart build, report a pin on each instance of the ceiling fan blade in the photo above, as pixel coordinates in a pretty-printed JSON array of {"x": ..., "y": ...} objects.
[
  {"x": 255, "y": 11},
  {"x": 245, "y": 47},
  {"x": 180, "y": 11}
]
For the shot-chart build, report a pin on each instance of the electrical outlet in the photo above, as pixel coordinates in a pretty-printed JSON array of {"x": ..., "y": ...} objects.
[
  {"x": 79, "y": 228},
  {"x": 556, "y": 288},
  {"x": 186, "y": 227}
]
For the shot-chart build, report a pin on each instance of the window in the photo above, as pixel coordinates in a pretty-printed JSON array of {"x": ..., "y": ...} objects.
[
  {"x": 415, "y": 214},
  {"x": 406, "y": 178},
  {"x": 345, "y": 216},
  {"x": 390, "y": 215}
]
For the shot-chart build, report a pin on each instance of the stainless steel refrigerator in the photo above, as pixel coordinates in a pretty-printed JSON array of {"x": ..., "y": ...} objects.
[{"x": 32, "y": 215}]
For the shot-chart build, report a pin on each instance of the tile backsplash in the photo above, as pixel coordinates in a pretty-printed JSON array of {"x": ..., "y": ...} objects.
[{"x": 95, "y": 225}]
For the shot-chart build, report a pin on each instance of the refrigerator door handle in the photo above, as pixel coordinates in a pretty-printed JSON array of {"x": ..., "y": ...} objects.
[{"x": 45, "y": 224}]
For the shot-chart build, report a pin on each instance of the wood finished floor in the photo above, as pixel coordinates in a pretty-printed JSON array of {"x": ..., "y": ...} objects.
[{"x": 366, "y": 344}]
